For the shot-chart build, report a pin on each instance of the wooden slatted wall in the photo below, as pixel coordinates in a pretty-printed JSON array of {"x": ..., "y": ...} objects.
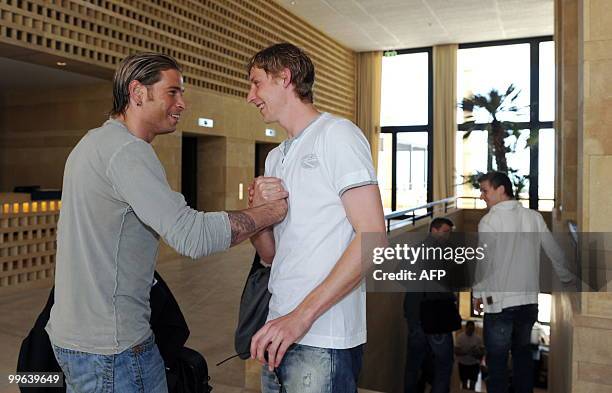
[
  {"x": 211, "y": 39},
  {"x": 27, "y": 241}
]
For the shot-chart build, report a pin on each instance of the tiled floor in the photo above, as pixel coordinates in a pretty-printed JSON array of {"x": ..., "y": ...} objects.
[{"x": 207, "y": 290}]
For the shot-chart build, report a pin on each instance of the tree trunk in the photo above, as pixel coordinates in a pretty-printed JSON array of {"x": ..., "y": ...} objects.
[{"x": 499, "y": 147}]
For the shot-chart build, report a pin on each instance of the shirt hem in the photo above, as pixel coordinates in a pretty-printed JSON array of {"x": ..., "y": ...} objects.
[
  {"x": 114, "y": 350},
  {"x": 510, "y": 302},
  {"x": 330, "y": 342}
]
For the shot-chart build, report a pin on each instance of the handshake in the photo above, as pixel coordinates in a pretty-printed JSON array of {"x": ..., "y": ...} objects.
[{"x": 269, "y": 191}]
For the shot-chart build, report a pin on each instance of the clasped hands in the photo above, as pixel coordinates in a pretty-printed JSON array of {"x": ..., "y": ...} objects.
[{"x": 266, "y": 189}]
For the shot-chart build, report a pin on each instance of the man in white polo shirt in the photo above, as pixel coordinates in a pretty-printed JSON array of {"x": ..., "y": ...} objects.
[{"x": 313, "y": 340}]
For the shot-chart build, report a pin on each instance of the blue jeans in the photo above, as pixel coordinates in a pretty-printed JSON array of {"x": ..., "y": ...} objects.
[
  {"x": 138, "y": 369},
  {"x": 510, "y": 330},
  {"x": 306, "y": 369},
  {"x": 420, "y": 346}
]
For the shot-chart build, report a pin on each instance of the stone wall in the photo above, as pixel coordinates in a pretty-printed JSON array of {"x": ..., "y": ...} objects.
[{"x": 582, "y": 324}]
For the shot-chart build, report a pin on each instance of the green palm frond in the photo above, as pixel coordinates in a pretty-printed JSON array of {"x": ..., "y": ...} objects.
[{"x": 496, "y": 104}]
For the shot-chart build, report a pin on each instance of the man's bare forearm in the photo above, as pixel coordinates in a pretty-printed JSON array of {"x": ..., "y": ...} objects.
[
  {"x": 343, "y": 278},
  {"x": 264, "y": 243},
  {"x": 245, "y": 223}
]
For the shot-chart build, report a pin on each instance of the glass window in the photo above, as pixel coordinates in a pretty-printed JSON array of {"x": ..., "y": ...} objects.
[
  {"x": 547, "y": 81},
  {"x": 520, "y": 160},
  {"x": 405, "y": 111},
  {"x": 546, "y": 165},
  {"x": 471, "y": 156},
  {"x": 411, "y": 169},
  {"x": 483, "y": 69},
  {"x": 404, "y": 91},
  {"x": 385, "y": 170},
  {"x": 494, "y": 67}
]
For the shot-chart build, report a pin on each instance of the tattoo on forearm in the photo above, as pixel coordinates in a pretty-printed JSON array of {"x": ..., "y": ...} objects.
[{"x": 241, "y": 223}]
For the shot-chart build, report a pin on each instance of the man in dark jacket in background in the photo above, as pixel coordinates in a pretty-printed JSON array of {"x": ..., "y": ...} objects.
[{"x": 430, "y": 343}]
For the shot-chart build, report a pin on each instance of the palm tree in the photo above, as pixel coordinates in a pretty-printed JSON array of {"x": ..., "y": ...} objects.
[{"x": 496, "y": 104}]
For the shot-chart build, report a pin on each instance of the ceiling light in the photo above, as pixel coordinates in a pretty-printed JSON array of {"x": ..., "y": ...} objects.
[{"x": 61, "y": 64}]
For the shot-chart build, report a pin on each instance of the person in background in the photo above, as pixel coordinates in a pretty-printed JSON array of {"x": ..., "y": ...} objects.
[
  {"x": 427, "y": 337},
  {"x": 509, "y": 281},
  {"x": 469, "y": 349}
]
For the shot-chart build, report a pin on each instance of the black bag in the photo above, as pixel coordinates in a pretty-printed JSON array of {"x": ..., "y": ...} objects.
[
  {"x": 186, "y": 369},
  {"x": 439, "y": 316},
  {"x": 190, "y": 375},
  {"x": 167, "y": 322},
  {"x": 253, "y": 307},
  {"x": 36, "y": 352}
]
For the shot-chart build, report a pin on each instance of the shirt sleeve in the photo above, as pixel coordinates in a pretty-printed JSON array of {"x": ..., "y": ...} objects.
[
  {"x": 554, "y": 252},
  {"x": 347, "y": 157},
  {"x": 487, "y": 240},
  {"x": 139, "y": 179}
]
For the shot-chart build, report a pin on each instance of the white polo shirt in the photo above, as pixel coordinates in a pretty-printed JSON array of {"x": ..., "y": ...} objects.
[{"x": 329, "y": 157}]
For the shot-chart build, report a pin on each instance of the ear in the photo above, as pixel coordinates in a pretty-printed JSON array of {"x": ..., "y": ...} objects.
[
  {"x": 285, "y": 75},
  {"x": 137, "y": 91}
]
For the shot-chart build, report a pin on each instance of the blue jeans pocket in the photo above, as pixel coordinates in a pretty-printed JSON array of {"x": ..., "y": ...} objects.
[
  {"x": 306, "y": 369},
  {"x": 85, "y": 372},
  {"x": 146, "y": 367},
  {"x": 139, "y": 369}
]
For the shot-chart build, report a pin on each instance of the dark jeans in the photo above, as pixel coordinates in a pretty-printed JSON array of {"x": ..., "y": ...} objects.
[
  {"x": 510, "y": 330},
  {"x": 469, "y": 375},
  {"x": 420, "y": 345}
]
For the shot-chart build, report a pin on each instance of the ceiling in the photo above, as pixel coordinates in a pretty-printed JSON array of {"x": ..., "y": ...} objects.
[
  {"x": 365, "y": 25},
  {"x": 361, "y": 25},
  {"x": 23, "y": 75}
]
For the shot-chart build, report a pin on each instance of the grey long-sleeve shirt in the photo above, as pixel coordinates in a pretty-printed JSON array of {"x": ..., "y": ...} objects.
[{"x": 116, "y": 202}]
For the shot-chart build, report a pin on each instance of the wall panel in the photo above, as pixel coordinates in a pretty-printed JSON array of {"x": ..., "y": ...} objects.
[{"x": 211, "y": 39}]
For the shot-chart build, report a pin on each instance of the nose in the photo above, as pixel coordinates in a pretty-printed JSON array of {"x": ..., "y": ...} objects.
[
  {"x": 251, "y": 96},
  {"x": 180, "y": 103}
]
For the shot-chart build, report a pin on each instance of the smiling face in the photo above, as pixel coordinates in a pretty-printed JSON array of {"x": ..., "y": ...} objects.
[
  {"x": 266, "y": 93},
  {"x": 163, "y": 103}
]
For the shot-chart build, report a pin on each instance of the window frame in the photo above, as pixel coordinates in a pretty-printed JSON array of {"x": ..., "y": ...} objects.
[
  {"x": 394, "y": 130},
  {"x": 534, "y": 124}
]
